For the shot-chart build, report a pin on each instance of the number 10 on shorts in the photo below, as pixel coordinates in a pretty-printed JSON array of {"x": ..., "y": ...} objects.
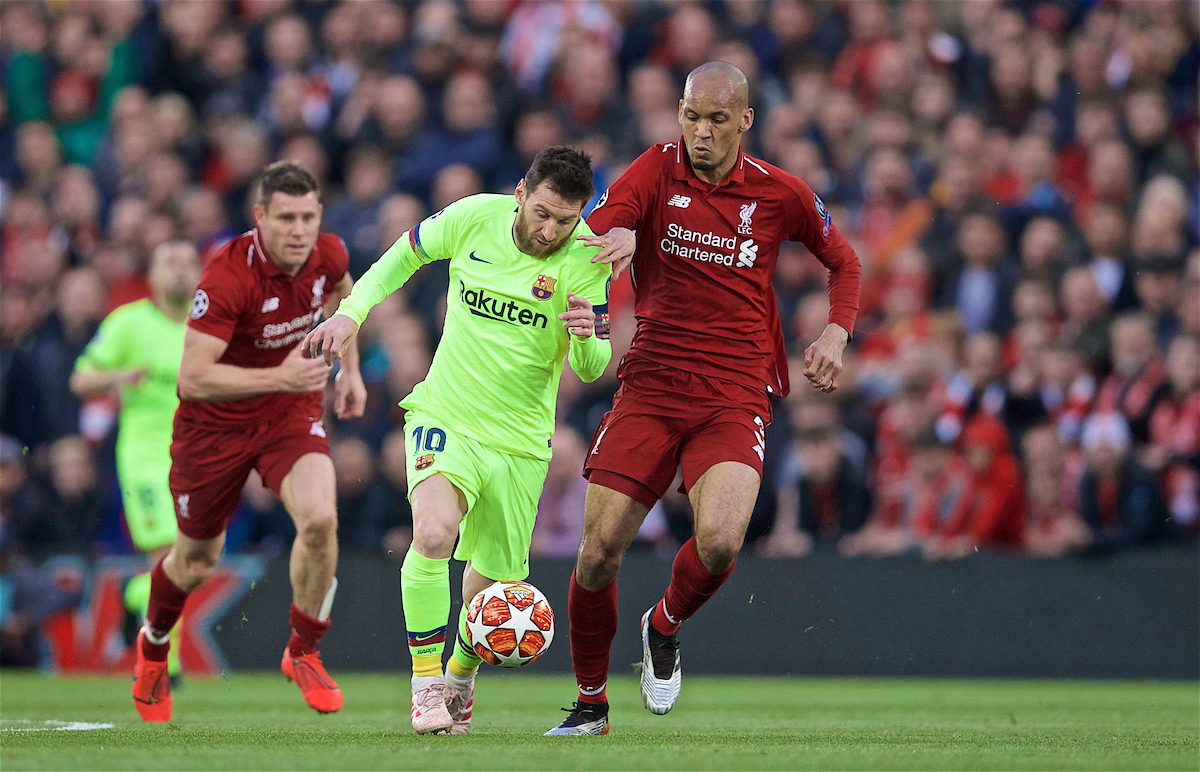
[{"x": 435, "y": 440}]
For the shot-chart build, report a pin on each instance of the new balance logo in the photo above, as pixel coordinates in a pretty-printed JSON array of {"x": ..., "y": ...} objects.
[
  {"x": 747, "y": 254},
  {"x": 270, "y": 304},
  {"x": 680, "y": 201}
]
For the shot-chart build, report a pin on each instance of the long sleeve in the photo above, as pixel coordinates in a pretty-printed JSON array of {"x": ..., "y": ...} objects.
[
  {"x": 388, "y": 274},
  {"x": 589, "y": 356}
]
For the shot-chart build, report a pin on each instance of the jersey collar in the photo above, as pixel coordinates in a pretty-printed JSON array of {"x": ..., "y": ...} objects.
[{"x": 682, "y": 170}]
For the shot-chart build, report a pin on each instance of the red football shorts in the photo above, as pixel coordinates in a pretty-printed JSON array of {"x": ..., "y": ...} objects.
[
  {"x": 210, "y": 465},
  {"x": 665, "y": 419}
]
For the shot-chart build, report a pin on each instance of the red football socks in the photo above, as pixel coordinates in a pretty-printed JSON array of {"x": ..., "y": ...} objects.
[
  {"x": 306, "y": 632},
  {"x": 593, "y": 618},
  {"x": 164, "y": 610},
  {"x": 691, "y": 586}
]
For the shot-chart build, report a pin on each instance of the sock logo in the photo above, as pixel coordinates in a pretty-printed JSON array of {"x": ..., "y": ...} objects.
[{"x": 428, "y": 643}]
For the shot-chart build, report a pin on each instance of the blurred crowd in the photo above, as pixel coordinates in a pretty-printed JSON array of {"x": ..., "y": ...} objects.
[{"x": 1018, "y": 178}]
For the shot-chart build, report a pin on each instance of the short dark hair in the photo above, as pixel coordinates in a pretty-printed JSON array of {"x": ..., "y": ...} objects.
[
  {"x": 287, "y": 177},
  {"x": 566, "y": 171}
]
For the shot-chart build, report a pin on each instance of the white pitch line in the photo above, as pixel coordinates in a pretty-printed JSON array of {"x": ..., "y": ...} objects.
[{"x": 55, "y": 726}]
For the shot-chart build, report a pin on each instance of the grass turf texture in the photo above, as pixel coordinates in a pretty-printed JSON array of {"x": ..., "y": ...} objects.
[{"x": 258, "y": 721}]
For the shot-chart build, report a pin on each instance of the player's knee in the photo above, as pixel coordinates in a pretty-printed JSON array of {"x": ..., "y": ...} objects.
[
  {"x": 197, "y": 568},
  {"x": 434, "y": 537},
  {"x": 598, "y": 563},
  {"x": 319, "y": 528},
  {"x": 719, "y": 552}
]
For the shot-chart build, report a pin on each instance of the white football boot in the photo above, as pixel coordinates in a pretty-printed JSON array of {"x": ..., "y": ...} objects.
[
  {"x": 429, "y": 713},
  {"x": 661, "y": 677}
]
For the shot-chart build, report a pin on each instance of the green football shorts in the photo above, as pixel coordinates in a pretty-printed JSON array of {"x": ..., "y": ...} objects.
[
  {"x": 149, "y": 510},
  {"x": 502, "y": 492}
]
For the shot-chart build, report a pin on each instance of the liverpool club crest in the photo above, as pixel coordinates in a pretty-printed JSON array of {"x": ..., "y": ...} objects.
[{"x": 543, "y": 288}]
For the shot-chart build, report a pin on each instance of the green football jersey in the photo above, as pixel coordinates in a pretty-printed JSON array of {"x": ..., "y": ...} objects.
[
  {"x": 138, "y": 336},
  {"x": 495, "y": 374}
]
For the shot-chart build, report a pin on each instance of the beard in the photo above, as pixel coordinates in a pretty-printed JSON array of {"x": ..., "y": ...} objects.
[
  {"x": 526, "y": 239},
  {"x": 702, "y": 164}
]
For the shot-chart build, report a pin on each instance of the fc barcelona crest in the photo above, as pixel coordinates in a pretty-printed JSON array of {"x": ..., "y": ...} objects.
[
  {"x": 543, "y": 288},
  {"x": 425, "y": 461}
]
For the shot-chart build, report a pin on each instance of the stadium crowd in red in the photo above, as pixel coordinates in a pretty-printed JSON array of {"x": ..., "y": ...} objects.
[{"x": 1018, "y": 178}]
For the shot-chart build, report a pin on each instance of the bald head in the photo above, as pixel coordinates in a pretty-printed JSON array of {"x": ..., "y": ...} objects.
[
  {"x": 714, "y": 113},
  {"x": 721, "y": 80}
]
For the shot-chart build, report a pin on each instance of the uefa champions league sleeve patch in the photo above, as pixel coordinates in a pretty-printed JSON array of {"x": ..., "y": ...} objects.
[
  {"x": 199, "y": 304},
  {"x": 823, "y": 213}
]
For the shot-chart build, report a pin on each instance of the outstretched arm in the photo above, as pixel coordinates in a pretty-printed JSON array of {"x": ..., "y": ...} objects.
[
  {"x": 350, "y": 394},
  {"x": 202, "y": 378}
]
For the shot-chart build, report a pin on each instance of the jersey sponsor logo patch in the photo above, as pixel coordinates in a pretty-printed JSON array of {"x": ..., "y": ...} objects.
[
  {"x": 823, "y": 213},
  {"x": 680, "y": 201},
  {"x": 292, "y": 331},
  {"x": 543, "y": 287},
  {"x": 747, "y": 212},
  {"x": 480, "y": 303},
  {"x": 199, "y": 304},
  {"x": 747, "y": 254},
  {"x": 270, "y": 304},
  {"x": 425, "y": 461}
]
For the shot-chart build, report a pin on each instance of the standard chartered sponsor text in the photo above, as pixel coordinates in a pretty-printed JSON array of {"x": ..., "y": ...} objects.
[
  {"x": 677, "y": 233},
  {"x": 293, "y": 332}
]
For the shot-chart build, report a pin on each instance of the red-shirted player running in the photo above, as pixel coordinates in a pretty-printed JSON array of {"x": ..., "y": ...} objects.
[
  {"x": 697, "y": 382},
  {"x": 250, "y": 399}
]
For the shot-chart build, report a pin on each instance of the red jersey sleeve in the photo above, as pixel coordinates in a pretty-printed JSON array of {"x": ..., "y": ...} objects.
[
  {"x": 335, "y": 254},
  {"x": 814, "y": 228},
  {"x": 220, "y": 297},
  {"x": 626, "y": 202}
]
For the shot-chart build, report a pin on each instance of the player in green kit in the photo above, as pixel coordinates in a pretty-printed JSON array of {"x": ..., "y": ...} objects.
[
  {"x": 524, "y": 295},
  {"x": 136, "y": 352}
]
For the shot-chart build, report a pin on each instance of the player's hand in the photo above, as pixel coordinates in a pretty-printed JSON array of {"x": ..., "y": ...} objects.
[
  {"x": 350, "y": 395},
  {"x": 579, "y": 319},
  {"x": 298, "y": 374},
  {"x": 823, "y": 359},
  {"x": 617, "y": 247},
  {"x": 130, "y": 377},
  {"x": 331, "y": 338}
]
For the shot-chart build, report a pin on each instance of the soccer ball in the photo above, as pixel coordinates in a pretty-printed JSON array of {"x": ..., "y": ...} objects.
[{"x": 510, "y": 624}]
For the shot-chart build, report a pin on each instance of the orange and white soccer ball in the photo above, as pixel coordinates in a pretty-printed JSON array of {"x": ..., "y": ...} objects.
[{"x": 510, "y": 624}]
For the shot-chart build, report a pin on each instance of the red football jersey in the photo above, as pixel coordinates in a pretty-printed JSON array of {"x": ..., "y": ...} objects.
[
  {"x": 705, "y": 258},
  {"x": 262, "y": 313}
]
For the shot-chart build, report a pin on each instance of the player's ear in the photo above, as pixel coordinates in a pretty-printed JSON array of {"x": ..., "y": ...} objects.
[
  {"x": 260, "y": 213},
  {"x": 520, "y": 191},
  {"x": 747, "y": 120}
]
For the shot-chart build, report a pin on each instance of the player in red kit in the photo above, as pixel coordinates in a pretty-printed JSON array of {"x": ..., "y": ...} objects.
[
  {"x": 696, "y": 385},
  {"x": 250, "y": 399}
]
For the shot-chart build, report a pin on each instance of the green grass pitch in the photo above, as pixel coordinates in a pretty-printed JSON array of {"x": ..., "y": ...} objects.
[{"x": 257, "y": 721}]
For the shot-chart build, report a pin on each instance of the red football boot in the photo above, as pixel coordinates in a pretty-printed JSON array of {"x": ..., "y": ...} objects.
[
  {"x": 151, "y": 686},
  {"x": 320, "y": 691}
]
